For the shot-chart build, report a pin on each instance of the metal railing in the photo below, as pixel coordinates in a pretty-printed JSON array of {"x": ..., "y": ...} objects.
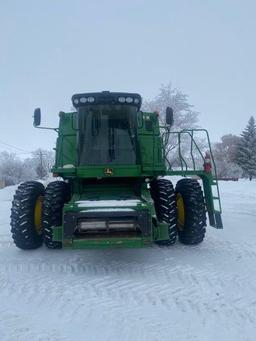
[
  {"x": 188, "y": 164},
  {"x": 187, "y": 136}
]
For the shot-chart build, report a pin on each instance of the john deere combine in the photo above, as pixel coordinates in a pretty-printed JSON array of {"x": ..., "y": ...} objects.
[{"x": 114, "y": 190}]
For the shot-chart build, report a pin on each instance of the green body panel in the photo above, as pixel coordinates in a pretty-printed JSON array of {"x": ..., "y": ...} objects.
[
  {"x": 94, "y": 183},
  {"x": 66, "y": 142},
  {"x": 97, "y": 197},
  {"x": 150, "y": 142},
  {"x": 99, "y": 171},
  {"x": 116, "y": 171},
  {"x": 109, "y": 243}
]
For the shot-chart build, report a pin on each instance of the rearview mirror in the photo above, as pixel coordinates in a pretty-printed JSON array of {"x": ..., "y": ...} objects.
[
  {"x": 169, "y": 116},
  {"x": 37, "y": 117}
]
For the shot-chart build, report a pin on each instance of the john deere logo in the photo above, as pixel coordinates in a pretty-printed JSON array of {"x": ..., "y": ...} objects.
[{"x": 108, "y": 171}]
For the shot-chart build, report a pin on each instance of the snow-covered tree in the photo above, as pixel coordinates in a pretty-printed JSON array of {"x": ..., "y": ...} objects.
[
  {"x": 185, "y": 117},
  {"x": 224, "y": 155},
  {"x": 246, "y": 151},
  {"x": 13, "y": 170},
  {"x": 43, "y": 161}
]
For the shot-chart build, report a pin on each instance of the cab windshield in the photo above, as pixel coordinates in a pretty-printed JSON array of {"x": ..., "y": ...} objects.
[{"x": 107, "y": 136}]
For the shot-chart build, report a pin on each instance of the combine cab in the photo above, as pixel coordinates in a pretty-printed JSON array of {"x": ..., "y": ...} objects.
[{"x": 116, "y": 189}]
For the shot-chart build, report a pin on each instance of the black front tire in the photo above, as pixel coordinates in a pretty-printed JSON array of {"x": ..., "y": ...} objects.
[
  {"x": 192, "y": 231},
  {"x": 163, "y": 194},
  {"x": 26, "y": 235},
  {"x": 57, "y": 193}
]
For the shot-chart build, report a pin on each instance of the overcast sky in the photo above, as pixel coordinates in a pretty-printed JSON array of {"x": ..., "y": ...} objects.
[{"x": 50, "y": 50}]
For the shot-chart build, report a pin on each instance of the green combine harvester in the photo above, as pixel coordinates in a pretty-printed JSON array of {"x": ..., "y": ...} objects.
[{"x": 115, "y": 189}]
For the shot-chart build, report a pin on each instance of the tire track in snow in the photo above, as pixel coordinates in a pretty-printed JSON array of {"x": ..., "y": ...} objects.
[
  {"x": 167, "y": 257},
  {"x": 14, "y": 326},
  {"x": 187, "y": 290}
]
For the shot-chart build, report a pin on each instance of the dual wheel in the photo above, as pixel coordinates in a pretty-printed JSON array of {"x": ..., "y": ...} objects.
[
  {"x": 183, "y": 208},
  {"x": 35, "y": 210}
]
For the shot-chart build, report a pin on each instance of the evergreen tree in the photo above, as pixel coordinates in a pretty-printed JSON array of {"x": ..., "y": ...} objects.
[{"x": 246, "y": 151}]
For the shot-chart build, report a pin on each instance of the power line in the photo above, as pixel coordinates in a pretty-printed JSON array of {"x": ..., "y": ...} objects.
[{"x": 12, "y": 146}]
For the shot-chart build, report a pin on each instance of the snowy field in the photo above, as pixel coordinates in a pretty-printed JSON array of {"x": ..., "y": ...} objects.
[{"x": 205, "y": 292}]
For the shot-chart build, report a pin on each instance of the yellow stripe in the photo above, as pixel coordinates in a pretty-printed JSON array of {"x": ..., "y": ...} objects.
[
  {"x": 38, "y": 214},
  {"x": 180, "y": 211}
]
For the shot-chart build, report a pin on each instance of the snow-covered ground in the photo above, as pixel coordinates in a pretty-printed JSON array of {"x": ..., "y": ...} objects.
[{"x": 205, "y": 292}]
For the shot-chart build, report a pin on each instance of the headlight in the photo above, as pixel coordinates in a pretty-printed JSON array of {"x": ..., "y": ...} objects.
[
  {"x": 90, "y": 99},
  {"x": 129, "y": 99},
  {"x": 76, "y": 101},
  {"x": 136, "y": 101},
  {"x": 121, "y": 99},
  {"x": 83, "y": 99}
]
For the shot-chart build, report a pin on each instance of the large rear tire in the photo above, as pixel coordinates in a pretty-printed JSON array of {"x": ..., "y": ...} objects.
[
  {"x": 163, "y": 195},
  {"x": 191, "y": 212},
  {"x": 57, "y": 193},
  {"x": 26, "y": 215}
]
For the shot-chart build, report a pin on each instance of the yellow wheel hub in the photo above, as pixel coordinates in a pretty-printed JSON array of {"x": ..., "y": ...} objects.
[
  {"x": 180, "y": 211},
  {"x": 38, "y": 214}
]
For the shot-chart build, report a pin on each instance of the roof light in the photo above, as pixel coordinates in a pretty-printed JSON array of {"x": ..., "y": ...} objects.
[
  {"x": 129, "y": 99},
  {"x": 121, "y": 99},
  {"x": 90, "y": 99},
  {"x": 83, "y": 99},
  {"x": 106, "y": 98}
]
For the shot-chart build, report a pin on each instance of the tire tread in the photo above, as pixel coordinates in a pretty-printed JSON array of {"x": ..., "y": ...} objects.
[
  {"x": 195, "y": 211},
  {"x": 163, "y": 194},
  {"x": 57, "y": 193},
  {"x": 22, "y": 215}
]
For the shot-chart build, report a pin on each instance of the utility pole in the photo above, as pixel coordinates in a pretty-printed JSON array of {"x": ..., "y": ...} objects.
[
  {"x": 40, "y": 168},
  {"x": 41, "y": 161}
]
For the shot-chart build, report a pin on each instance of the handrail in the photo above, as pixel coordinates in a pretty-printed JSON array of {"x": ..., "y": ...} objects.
[
  {"x": 193, "y": 143},
  {"x": 191, "y": 150}
]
